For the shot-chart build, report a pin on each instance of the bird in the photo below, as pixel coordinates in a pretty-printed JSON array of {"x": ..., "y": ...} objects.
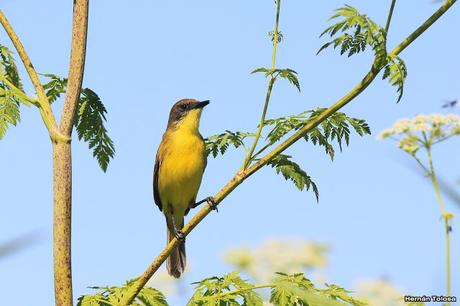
[
  {"x": 452, "y": 103},
  {"x": 179, "y": 166}
]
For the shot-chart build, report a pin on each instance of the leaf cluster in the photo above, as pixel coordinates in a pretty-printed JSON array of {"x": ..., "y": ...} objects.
[
  {"x": 10, "y": 91},
  {"x": 396, "y": 72},
  {"x": 55, "y": 87},
  {"x": 286, "y": 73},
  {"x": 337, "y": 128},
  {"x": 359, "y": 31},
  {"x": 89, "y": 121},
  {"x": 291, "y": 171},
  {"x": 219, "y": 143},
  {"x": 112, "y": 296},
  {"x": 230, "y": 290},
  {"x": 89, "y": 118},
  {"x": 285, "y": 290}
]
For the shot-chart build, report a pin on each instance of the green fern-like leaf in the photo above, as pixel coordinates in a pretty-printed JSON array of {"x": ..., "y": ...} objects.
[
  {"x": 55, "y": 87},
  {"x": 358, "y": 31},
  {"x": 335, "y": 128},
  {"x": 289, "y": 75},
  {"x": 9, "y": 113},
  {"x": 293, "y": 172},
  {"x": 8, "y": 67},
  {"x": 110, "y": 296},
  {"x": 219, "y": 143},
  {"x": 230, "y": 290},
  {"x": 396, "y": 73},
  {"x": 11, "y": 91},
  {"x": 89, "y": 122},
  {"x": 296, "y": 289}
]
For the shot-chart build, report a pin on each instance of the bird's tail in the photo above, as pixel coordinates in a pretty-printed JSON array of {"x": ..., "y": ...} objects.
[{"x": 175, "y": 263}]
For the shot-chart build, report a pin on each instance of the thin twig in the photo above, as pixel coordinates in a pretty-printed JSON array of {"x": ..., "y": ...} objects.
[
  {"x": 249, "y": 156},
  {"x": 390, "y": 15}
]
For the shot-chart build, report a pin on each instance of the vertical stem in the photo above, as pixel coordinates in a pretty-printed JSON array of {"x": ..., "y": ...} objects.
[
  {"x": 390, "y": 15},
  {"x": 248, "y": 157},
  {"x": 444, "y": 215},
  {"x": 62, "y": 180},
  {"x": 275, "y": 34},
  {"x": 62, "y": 159}
]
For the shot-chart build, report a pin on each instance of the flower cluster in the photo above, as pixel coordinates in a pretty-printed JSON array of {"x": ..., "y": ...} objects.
[
  {"x": 422, "y": 130},
  {"x": 276, "y": 255}
]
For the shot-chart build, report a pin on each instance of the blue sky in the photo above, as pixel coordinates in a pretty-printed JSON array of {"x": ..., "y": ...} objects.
[{"x": 379, "y": 215}]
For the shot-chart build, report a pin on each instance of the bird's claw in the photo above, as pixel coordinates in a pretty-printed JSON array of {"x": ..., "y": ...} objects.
[
  {"x": 212, "y": 203},
  {"x": 179, "y": 235}
]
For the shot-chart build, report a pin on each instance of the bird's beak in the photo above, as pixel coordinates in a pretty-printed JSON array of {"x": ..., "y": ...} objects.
[{"x": 202, "y": 104}]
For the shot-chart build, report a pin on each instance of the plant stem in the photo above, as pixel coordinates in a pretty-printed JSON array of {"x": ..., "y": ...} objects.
[
  {"x": 62, "y": 160},
  {"x": 76, "y": 66},
  {"x": 446, "y": 218},
  {"x": 18, "y": 92},
  {"x": 249, "y": 156},
  {"x": 244, "y": 174},
  {"x": 62, "y": 188},
  {"x": 390, "y": 15},
  {"x": 44, "y": 105}
]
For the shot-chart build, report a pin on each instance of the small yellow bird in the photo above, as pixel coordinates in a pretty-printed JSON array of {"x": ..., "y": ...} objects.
[{"x": 179, "y": 167}]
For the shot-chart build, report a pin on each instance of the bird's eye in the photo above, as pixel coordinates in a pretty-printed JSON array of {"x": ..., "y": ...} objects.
[{"x": 183, "y": 107}]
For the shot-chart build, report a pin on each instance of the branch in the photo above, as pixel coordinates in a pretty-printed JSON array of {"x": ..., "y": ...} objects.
[
  {"x": 390, "y": 15},
  {"x": 244, "y": 174},
  {"x": 18, "y": 92},
  {"x": 77, "y": 65},
  {"x": 44, "y": 105}
]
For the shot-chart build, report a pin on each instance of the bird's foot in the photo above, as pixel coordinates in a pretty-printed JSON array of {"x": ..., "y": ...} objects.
[
  {"x": 212, "y": 203},
  {"x": 179, "y": 235}
]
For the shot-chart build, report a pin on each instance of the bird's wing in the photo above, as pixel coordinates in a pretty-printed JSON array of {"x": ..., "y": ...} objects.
[
  {"x": 205, "y": 156},
  {"x": 156, "y": 194}
]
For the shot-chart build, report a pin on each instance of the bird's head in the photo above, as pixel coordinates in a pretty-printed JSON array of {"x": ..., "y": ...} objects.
[{"x": 186, "y": 113}]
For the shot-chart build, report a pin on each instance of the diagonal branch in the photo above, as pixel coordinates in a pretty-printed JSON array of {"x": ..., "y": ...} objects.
[
  {"x": 244, "y": 174},
  {"x": 44, "y": 105}
]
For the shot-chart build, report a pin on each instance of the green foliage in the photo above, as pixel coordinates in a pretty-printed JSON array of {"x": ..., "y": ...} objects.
[
  {"x": 55, "y": 87},
  {"x": 111, "y": 296},
  {"x": 10, "y": 91},
  {"x": 335, "y": 128},
  {"x": 8, "y": 67},
  {"x": 89, "y": 119},
  {"x": 219, "y": 143},
  {"x": 396, "y": 73},
  {"x": 293, "y": 172},
  {"x": 279, "y": 36},
  {"x": 9, "y": 111},
  {"x": 358, "y": 31},
  {"x": 286, "y": 290},
  {"x": 89, "y": 122},
  {"x": 287, "y": 74},
  {"x": 229, "y": 290}
]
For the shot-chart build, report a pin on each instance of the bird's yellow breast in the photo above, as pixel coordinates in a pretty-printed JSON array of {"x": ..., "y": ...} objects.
[{"x": 181, "y": 169}]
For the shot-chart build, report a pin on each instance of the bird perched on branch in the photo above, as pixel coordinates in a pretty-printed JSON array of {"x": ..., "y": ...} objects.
[{"x": 179, "y": 167}]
